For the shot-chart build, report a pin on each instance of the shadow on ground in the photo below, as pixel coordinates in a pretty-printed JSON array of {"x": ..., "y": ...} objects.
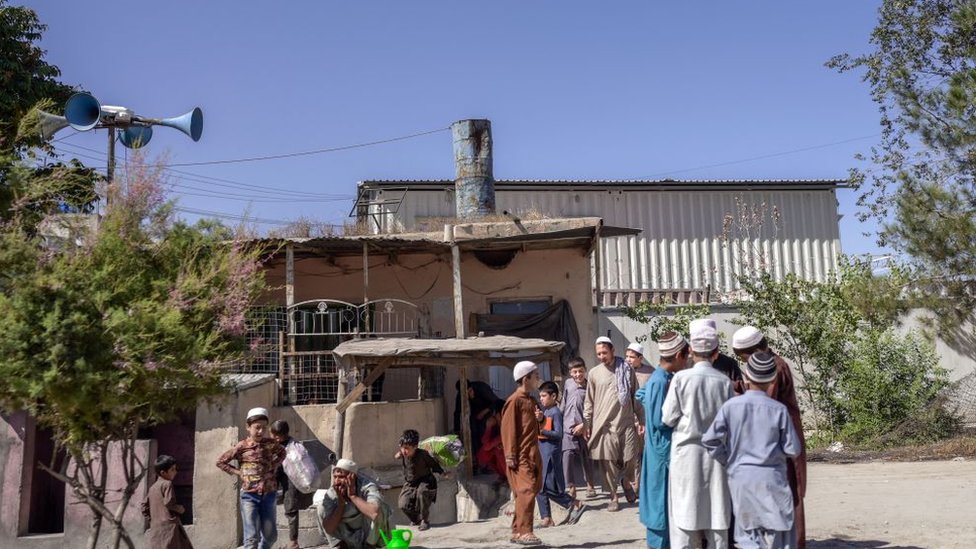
[{"x": 841, "y": 543}]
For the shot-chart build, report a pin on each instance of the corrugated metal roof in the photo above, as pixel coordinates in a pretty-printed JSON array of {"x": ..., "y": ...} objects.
[
  {"x": 684, "y": 242},
  {"x": 561, "y": 184}
]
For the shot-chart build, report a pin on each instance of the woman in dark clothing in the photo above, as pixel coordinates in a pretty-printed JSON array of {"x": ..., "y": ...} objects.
[{"x": 481, "y": 398}]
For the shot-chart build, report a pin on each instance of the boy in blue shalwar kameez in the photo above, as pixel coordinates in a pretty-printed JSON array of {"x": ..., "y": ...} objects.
[
  {"x": 550, "y": 446},
  {"x": 657, "y": 440},
  {"x": 753, "y": 435}
]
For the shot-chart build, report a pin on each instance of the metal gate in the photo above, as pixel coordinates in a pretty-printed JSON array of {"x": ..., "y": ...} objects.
[{"x": 307, "y": 370}]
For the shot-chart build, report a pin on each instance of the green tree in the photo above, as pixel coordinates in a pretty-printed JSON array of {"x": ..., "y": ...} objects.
[
  {"x": 921, "y": 183},
  {"x": 663, "y": 317},
  {"x": 28, "y": 167},
  {"x": 862, "y": 379},
  {"x": 120, "y": 330}
]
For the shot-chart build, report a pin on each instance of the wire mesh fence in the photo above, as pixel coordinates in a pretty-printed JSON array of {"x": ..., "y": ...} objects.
[{"x": 295, "y": 344}]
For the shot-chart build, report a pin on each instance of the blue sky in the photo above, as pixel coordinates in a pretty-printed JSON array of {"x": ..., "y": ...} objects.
[{"x": 575, "y": 90}]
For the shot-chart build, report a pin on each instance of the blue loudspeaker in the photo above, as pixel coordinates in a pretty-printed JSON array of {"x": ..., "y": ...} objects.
[
  {"x": 135, "y": 137},
  {"x": 82, "y": 111},
  {"x": 190, "y": 123}
]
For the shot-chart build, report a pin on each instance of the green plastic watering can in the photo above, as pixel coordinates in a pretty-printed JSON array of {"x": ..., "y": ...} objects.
[{"x": 399, "y": 539}]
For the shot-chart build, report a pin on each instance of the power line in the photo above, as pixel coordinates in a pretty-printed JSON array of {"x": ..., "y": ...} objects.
[
  {"x": 761, "y": 157},
  {"x": 219, "y": 182},
  {"x": 315, "y": 151},
  {"x": 234, "y": 217}
]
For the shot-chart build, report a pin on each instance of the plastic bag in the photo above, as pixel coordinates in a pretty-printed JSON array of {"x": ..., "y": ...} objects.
[
  {"x": 446, "y": 449},
  {"x": 300, "y": 467}
]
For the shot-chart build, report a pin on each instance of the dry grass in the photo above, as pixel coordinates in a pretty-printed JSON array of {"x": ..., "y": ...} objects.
[{"x": 963, "y": 446}]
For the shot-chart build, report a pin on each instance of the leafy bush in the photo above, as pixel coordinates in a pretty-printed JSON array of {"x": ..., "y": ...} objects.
[{"x": 893, "y": 384}]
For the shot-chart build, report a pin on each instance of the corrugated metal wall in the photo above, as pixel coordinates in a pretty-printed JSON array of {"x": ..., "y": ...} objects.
[{"x": 681, "y": 245}]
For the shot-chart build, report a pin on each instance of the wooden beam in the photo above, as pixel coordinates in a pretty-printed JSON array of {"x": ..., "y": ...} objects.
[
  {"x": 421, "y": 362},
  {"x": 458, "y": 299},
  {"x": 359, "y": 389}
]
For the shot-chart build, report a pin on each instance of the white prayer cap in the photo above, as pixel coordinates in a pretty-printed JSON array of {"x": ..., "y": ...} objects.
[
  {"x": 761, "y": 367},
  {"x": 746, "y": 337},
  {"x": 523, "y": 369},
  {"x": 347, "y": 465},
  {"x": 637, "y": 348},
  {"x": 701, "y": 323},
  {"x": 604, "y": 339},
  {"x": 670, "y": 343},
  {"x": 704, "y": 337},
  {"x": 257, "y": 412}
]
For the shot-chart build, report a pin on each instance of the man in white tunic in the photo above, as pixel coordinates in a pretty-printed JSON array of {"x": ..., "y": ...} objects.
[
  {"x": 611, "y": 414},
  {"x": 698, "y": 491}
]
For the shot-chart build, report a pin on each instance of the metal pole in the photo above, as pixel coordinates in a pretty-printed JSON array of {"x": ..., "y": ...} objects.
[{"x": 110, "y": 169}]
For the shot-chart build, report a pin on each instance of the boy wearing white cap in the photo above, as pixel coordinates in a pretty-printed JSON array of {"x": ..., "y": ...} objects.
[
  {"x": 352, "y": 512},
  {"x": 698, "y": 492},
  {"x": 753, "y": 436},
  {"x": 258, "y": 457},
  {"x": 745, "y": 342},
  {"x": 520, "y": 440},
  {"x": 611, "y": 416}
]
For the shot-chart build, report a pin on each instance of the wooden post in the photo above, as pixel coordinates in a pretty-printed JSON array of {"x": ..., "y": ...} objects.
[
  {"x": 367, "y": 327},
  {"x": 289, "y": 302},
  {"x": 281, "y": 369},
  {"x": 466, "y": 423},
  {"x": 460, "y": 334},
  {"x": 340, "y": 422}
]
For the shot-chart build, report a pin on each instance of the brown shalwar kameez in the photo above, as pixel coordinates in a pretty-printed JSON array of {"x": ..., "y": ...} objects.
[
  {"x": 520, "y": 440},
  {"x": 160, "y": 507},
  {"x": 783, "y": 390}
]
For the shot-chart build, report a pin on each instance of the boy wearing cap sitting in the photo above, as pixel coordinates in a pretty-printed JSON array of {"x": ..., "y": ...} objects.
[
  {"x": 520, "y": 440},
  {"x": 753, "y": 436},
  {"x": 352, "y": 512},
  {"x": 258, "y": 457}
]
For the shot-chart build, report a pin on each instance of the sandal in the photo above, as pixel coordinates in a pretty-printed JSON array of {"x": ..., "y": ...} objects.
[
  {"x": 613, "y": 506},
  {"x": 547, "y": 523},
  {"x": 575, "y": 513},
  {"x": 527, "y": 539},
  {"x": 629, "y": 494},
  {"x": 590, "y": 493}
]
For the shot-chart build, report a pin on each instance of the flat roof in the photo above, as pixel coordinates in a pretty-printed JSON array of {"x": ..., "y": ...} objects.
[{"x": 509, "y": 234}]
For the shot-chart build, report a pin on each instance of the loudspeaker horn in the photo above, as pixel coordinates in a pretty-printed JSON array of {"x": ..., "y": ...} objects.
[
  {"x": 51, "y": 124},
  {"x": 82, "y": 111},
  {"x": 190, "y": 123},
  {"x": 136, "y": 137}
]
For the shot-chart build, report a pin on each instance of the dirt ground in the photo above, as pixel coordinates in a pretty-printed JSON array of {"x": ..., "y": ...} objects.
[{"x": 874, "y": 505}]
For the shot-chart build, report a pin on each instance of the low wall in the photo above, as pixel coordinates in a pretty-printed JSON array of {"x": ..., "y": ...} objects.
[{"x": 216, "y": 503}]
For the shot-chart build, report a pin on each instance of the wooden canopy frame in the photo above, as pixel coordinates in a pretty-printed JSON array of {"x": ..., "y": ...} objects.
[{"x": 478, "y": 352}]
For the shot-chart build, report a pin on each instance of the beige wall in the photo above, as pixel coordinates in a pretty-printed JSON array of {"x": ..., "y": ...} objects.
[
  {"x": 216, "y": 503},
  {"x": 426, "y": 281},
  {"x": 373, "y": 428}
]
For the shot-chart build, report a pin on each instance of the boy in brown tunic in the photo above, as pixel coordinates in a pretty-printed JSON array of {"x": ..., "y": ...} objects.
[
  {"x": 520, "y": 440},
  {"x": 160, "y": 507}
]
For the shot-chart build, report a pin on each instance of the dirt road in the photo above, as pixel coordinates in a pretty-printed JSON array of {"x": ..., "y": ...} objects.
[{"x": 876, "y": 505}]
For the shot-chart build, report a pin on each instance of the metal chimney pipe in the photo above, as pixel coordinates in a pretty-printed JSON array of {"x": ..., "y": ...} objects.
[{"x": 474, "y": 184}]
